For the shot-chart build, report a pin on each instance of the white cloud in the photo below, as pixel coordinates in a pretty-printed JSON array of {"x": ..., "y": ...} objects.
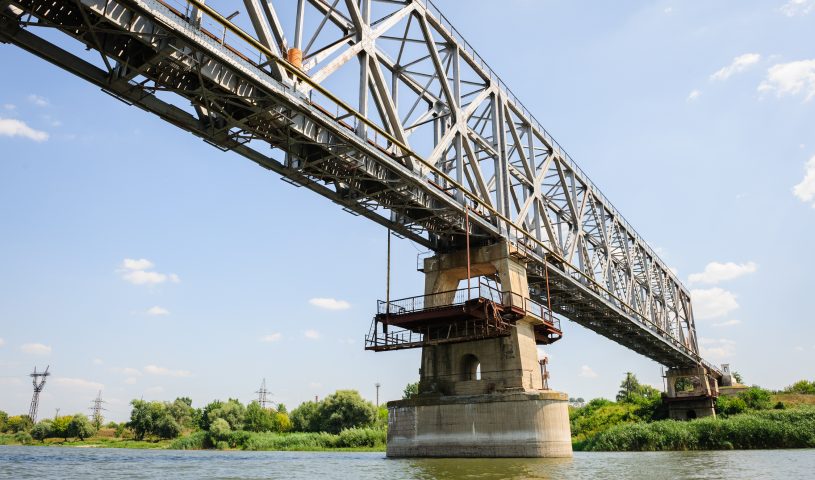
[
  {"x": 157, "y": 311},
  {"x": 728, "y": 323},
  {"x": 2, "y": 342},
  {"x": 166, "y": 372},
  {"x": 330, "y": 303},
  {"x": 130, "y": 380},
  {"x": 805, "y": 191},
  {"x": 154, "y": 390},
  {"x": 138, "y": 272},
  {"x": 738, "y": 65},
  {"x": 38, "y": 100},
  {"x": 10, "y": 127},
  {"x": 712, "y": 302},
  {"x": 97, "y": 361},
  {"x": 131, "y": 372},
  {"x": 716, "y": 272},
  {"x": 35, "y": 348},
  {"x": 795, "y": 8},
  {"x": 311, "y": 334},
  {"x": 315, "y": 385},
  {"x": 669, "y": 10},
  {"x": 586, "y": 371},
  {"x": 10, "y": 381},
  {"x": 78, "y": 383},
  {"x": 140, "y": 264},
  {"x": 693, "y": 95},
  {"x": 718, "y": 348},
  {"x": 791, "y": 79},
  {"x": 799, "y": 348},
  {"x": 9, "y": 106},
  {"x": 272, "y": 337}
]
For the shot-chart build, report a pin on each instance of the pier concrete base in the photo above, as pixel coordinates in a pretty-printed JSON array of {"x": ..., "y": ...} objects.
[{"x": 522, "y": 424}]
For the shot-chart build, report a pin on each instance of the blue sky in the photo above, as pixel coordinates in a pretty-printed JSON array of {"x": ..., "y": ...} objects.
[{"x": 138, "y": 260}]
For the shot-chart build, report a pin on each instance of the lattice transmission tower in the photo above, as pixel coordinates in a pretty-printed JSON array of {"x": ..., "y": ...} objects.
[
  {"x": 263, "y": 395},
  {"x": 96, "y": 410},
  {"x": 38, "y": 380}
]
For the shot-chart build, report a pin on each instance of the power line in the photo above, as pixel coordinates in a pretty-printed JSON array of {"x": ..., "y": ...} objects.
[{"x": 38, "y": 380}]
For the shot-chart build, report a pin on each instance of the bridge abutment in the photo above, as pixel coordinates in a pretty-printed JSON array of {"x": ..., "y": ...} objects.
[{"x": 481, "y": 397}]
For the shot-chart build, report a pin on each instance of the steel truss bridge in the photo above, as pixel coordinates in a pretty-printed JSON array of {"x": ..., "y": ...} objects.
[{"x": 382, "y": 107}]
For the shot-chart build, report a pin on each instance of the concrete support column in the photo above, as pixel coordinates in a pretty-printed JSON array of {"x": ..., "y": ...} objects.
[{"x": 480, "y": 398}]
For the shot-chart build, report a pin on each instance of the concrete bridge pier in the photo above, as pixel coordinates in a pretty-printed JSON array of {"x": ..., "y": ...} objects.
[
  {"x": 480, "y": 398},
  {"x": 691, "y": 393}
]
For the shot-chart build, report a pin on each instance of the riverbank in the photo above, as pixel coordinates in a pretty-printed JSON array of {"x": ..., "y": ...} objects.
[
  {"x": 351, "y": 440},
  {"x": 772, "y": 429}
]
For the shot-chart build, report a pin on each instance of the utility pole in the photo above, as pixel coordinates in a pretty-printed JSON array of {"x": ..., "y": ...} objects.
[
  {"x": 96, "y": 409},
  {"x": 38, "y": 380},
  {"x": 262, "y": 395},
  {"x": 377, "y": 395}
]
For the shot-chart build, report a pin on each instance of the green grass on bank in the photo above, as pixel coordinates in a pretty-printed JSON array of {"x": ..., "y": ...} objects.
[
  {"x": 355, "y": 440},
  {"x": 794, "y": 428}
]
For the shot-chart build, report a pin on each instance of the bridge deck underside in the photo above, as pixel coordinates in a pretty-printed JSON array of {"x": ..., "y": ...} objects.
[
  {"x": 580, "y": 304},
  {"x": 237, "y": 104}
]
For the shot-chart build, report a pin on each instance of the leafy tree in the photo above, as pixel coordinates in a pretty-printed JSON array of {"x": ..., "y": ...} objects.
[
  {"x": 60, "y": 427},
  {"x": 281, "y": 408},
  {"x": 219, "y": 429},
  {"x": 80, "y": 427},
  {"x": 152, "y": 418},
  {"x": 232, "y": 411},
  {"x": 632, "y": 391},
  {"x": 727, "y": 405},
  {"x": 757, "y": 398},
  {"x": 3, "y": 420},
  {"x": 304, "y": 418},
  {"x": 182, "y": 412},
  {"x": 410, "y": 391},
  {"x": 629, "y": 386},
  {"x": 282, "y": 422},
  {"x": 165, "y": 426},
  {"x": 382, "y": 417},
  {"x": 737, "y": 377},
  {"x": 206, "y": 414},
  {"x": 17, "y": 423},
  {"x": 141, "y": 419},
  {"x": 345, "y": 409},
  {"x": 258, "y": 419},
  {"x": 42, "y": 430},
  {"x": 801, "y": 386}
]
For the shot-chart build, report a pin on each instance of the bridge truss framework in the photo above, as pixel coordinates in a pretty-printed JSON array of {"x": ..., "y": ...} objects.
[{"x": 393, "y": 116}]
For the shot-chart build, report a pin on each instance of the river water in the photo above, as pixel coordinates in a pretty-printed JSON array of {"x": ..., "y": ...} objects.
[{"x": 103, "y": 463}]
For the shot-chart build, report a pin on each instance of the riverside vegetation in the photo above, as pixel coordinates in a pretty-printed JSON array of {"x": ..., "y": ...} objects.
[
  {"x": 343, "y": 420},
  {"x": 636, "y": 421},
  {"x": 754, "y": 419}
]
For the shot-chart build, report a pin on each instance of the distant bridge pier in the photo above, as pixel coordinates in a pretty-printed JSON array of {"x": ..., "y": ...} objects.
[
  {"x": 691, "y": 393},
  {"x": 481, "y": 387}
]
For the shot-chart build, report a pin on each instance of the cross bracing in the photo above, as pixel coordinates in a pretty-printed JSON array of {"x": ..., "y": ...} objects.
[{"x": 393, "y": 116}]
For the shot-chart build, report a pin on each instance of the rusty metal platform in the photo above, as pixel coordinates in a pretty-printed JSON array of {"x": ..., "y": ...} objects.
[{"x": 456, "y": 316}]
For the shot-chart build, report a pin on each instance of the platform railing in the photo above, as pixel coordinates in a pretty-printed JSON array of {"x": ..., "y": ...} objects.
[{"x": 461, "y": 296}]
